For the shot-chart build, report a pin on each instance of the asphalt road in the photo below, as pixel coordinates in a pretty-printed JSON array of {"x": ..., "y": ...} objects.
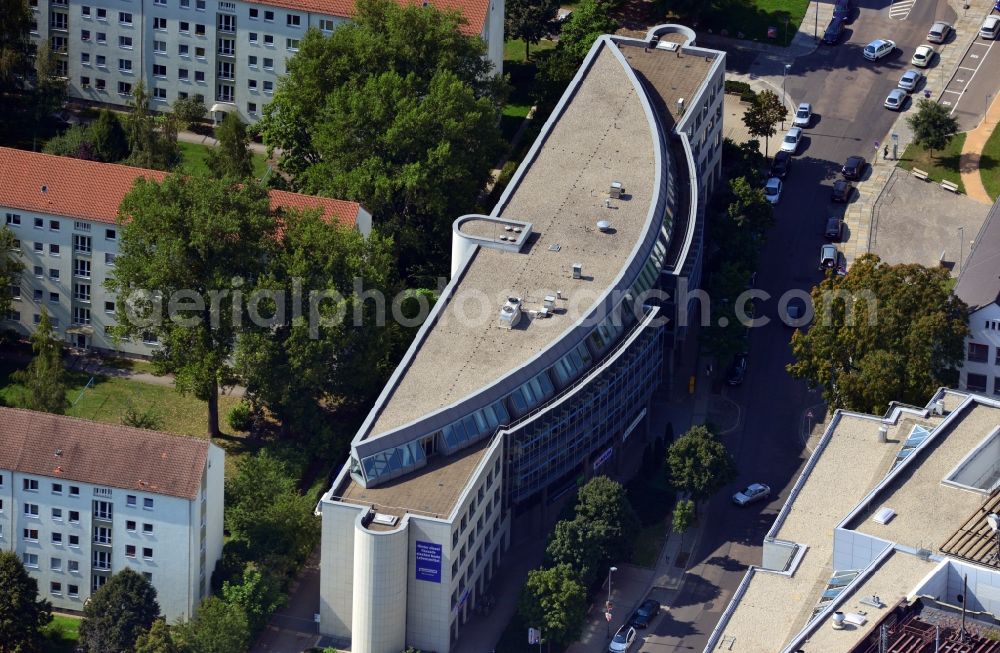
[
  {"x": 847, "y": 92},
  {"x": 969, "y": 92}
]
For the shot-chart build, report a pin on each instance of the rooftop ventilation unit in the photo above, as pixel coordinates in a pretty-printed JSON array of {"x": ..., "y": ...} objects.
[
  {"x": 616, "y": 190},
  {"x": 543, "y": 313},
  {"x": 680, "y": 106},
  {"x": 604, "y": 226},
  {"x": 550, "y": 302},
  {"x": 578, "y": 270},
  {"x": 939, "y": 407},
  {"x": 385, "y": 520},
  {"x": 510, "y": 313},
  {"x": 883, "y": 433},
  {"x": 884, "y": 516}
]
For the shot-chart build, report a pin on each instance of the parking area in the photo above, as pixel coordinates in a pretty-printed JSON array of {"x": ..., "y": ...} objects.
[
  {"x": 917, "y": 221},
  {"x": 973, "y": 85}
]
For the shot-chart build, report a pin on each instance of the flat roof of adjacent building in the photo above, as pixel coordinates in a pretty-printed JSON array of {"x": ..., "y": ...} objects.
[
  {"x": 673, "y": 75},
  {"x": 602, "y": 136},
  {"x": 109, "y": 455}
]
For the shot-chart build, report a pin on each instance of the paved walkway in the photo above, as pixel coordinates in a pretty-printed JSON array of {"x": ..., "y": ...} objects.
[
  {"x": 975, "y": 141},
  {"x": 200, "y": 139}
]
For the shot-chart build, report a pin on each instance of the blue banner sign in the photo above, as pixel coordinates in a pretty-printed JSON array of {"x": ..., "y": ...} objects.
[{"x": 428, "y": 561}]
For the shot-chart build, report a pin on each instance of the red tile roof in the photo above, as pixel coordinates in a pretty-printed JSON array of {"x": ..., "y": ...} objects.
[
  {"x": 90, "y": 190},
  {"x": 474, "y": 11},
  {"x": 109, "y": 455}
]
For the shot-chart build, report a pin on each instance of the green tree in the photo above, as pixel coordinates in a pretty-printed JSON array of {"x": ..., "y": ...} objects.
[
  {"x": 699, "y": 464},
  {"x": 49, "y": 90},
  {"x": 604, "y": 500},
  {"x": 684, "y": 516},
  {"x": 217, "y": 627},
  {"x": 749, "y": 209},
  {"x": 231, "y": 157},
  {"x": 16, "y": 47},
  {"x": 554, "y": 600},
  {"x": 152, "y": 141},
  {"x": 556, "y": 69},
  {"x": 76, "y": 142},
  {"x": 529, "y": 20},
  {"x": 44, "y": 379},
  {"x": 578, "y": 544},
  {"x": 108, "y": 137},
  {"x": 589, "y": 20},
  {"x": 265, "y": 510},
  {"x": 882, "y": 333},
  {"x": 188, "y": 110},
  {"x": 726, "y": 335},
  {"x": 22, "y": 613},
  {"x": 157, "y": 640},
  {"x": 118, "y": 613},
  {"x": 201, "y": 241},
  {"x": 142, "y": 417},
  {"x": 10, "y": 268},
  {"x": 763, "y": 115},
  {"x": 257, "y": 593},
  {"x": 933, "y": 125}
]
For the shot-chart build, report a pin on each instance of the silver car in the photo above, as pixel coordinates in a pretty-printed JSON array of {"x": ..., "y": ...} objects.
[
  {"x": 772, "y": 190},
  {"x": 939, "y": 32},
  {"x": 910, "y": 80},
  {"x": 895, "y": 100},
  {"x": 878, "y": 49},
  {"x": 803, "y": 115},
  {"x": 790, "y": 143},
  {"x": 751, "y": 493}
]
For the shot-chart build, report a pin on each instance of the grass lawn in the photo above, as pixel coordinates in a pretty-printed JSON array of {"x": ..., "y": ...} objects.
[
  {"x": 943, "y": 166},
  {"x": 194, "y": 155},
  {"x": 648, "y": 543},
  {"x": 752, "y": 18},
  {"x": 513, "y": 50},
  {"x": 522, "y": 81},
  {"x": 62, "y": 632},
  {"x": 989, "y": 165}
]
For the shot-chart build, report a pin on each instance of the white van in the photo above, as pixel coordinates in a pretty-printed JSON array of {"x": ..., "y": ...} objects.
[{"x": 990, "y": 28}]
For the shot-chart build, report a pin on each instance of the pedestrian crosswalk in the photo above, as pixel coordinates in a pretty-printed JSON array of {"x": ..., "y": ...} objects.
[{"x": 900, "y": 9}]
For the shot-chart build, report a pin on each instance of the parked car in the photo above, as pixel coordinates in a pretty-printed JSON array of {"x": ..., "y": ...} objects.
[
  {"x": 922, "y": 56},
  {"x": 841, "y": 191},
  {"x": 737, "y": 369},
  {"x": 780, "y": 165},
  {"x": 834, "y": 31},
  {"x": 803, "y": 115},
  {"x": 910, "y": 80},
  {"x": 939, "y": 32},
  {"x": 878, "y": 48},
  {"x": 645, "y": 613},
  {"x": 990, "y": 28},
  {"x": 842, "y": 9},
  {"x": 772, "y": 190},
  {"x": 751, "y": 493},
  {"x": 623, "y": 640},
  {"x": 790, "y": 143},
  {"x": 853, "y": 168},
  {"x": 896, "y": 99},
  {"x": 834, "y": 228},
  {"x": 828, "y": 257}
]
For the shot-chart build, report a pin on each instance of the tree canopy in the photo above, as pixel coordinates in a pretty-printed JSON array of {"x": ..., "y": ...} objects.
[
  {"x": 157, "y": 640},
  {"x": 231, "y": 157},
  {"x": 933, "y": 125},
  {"x": 200, "y": 241},
  {"x": 152, "y": 139},
  {"x": 882, "y": 333},
  {"x": 589, "y": 20},
  {"x": 118, "y": 613},
  {"x": 22, "y": 613},
  {"x": 10, "y": 268},
  {"x": 16, "y": 47},
  {"x": 763, "y": 115},
  {"x": 529, "y": 20},
  {"x": 555, "y": 601},
  {"x": 217, "y": 627},
  {"x": 699, "y": 464},
  {"x": 44, "y": 379}
]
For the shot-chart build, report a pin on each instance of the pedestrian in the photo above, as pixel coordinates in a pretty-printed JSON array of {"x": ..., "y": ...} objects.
[{"x": 885, "y": 152}]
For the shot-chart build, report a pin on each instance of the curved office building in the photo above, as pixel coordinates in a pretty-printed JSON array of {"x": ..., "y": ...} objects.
[{"x": 536, "y": 366}]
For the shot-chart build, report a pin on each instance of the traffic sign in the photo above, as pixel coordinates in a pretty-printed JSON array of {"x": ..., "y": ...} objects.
[
  {"x": 607, "y": 615},
  {"x": 809, "y": 414}
]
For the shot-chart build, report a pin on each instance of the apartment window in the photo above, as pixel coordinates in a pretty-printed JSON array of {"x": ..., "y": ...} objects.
[
  {"x": 326, "y": 24},
  {"x": 252, "y": 61},
  {"x": 978, "y": 353},
  {"x": 125, "y": 42},
  {"x": 269, "y": 40},
  {"x": 109, "y": 307},
  {"x": 55, "y": 564},
  {"x": 15, "y": 292},
  {"x": 73, "y": 566},
  {"x": 73, "y": 590},
  {"x": 268, "y": 86},
  {"x": 102, "y": 535},
  {"x": 57, "y": 538},
  {"x": 74, "y": 516},
  {"x": 74, "y": 490},
  {"x": 54, "y": 225},
  {"x": 31, "y": 534},
  {"x": 81, "y": 316},
  {"x": 292, "y": 45},
  {"x": 30, "y": 560},
  {"x": 199, "y": 5},
  {"x": 85, "y": 58},
  {"x": 293, "y": 20},
  {"x": 268, "y": 64},
  {"x": 147, "y": 504},
  {"x": 226, "y": 70},
  {"x": 252, "y": 36},
  {"x": 58, "y": 20},
  {"x": 199, "y": 29},
  {"x": 30, "y": 485},
  {"x": 185, "y": 4},
  {"x": 160, "y": 47},
  {"x": 101, "y": 61},
  {"x": 183, "y": 50},
  {"x": 159, "y": 70},
  {"x": 102, "y": 509},
  {"x": 100, "y": 84},
  {"x": 975, "y": 382},
  {"x": 81, "y": 292},
  {"x": 85, "y": 82},
  {"x": 226, "y": 23},
  {"x": 252, "y": 84},
  {"x": 182, "y": 74},
  {"x": 102, "y": 560},
  {"x": 125, "y": 65},
  {"x": 147, "y": 552},
  {"x": 57, "y": 513},
  {"x": 184, "y": 27},
  {"x": 130, "y": 525},
  {"x": 996, "y": 385},
  {"x": 37, "y": 294},
  {"x": 81, "y": 244},
  {"x": 81, "y": 268},
  {"x": 125, "y": 18},
  {"x": 227, "y": 47},
  {"x": 58, "y": 44},
  {"x": 97, "y": 582},
  {"x": 160, "y": 3},
  {"x": 199, "y": 75},
  {"x": 224, "y": 93},
  {"x": 85, "y": 35},
  {"x": 54, "y": 250},
  {"x": 14, "y": 219},
  {"x": 269, "y": 16},
  {"x": 131, "y": 501},
  {"x": 147, "y": 528},
  {"x": 129, "y": 550},
  {"x": 252, "y": 108},
  {"x": 199, "y": 53},
  {"x": 159, "y": 23},
  {"x": 102, "y": 14},
  {"x": 39, "y": 223},
  {"x": 102, "y": 38},
  {"x": 85, "y": 11},
  {"x": 54, "y": 297},
  {"x": 31, "y": 510}
]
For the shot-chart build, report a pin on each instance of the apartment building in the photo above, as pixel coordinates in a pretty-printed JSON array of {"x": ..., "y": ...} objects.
[
  {"x": 67, "y": 236},
  {"x": 230, "y": 52},
  {"x": 536, "y": 366},
  {"x": 81, "y": 500},
  {"x": 979, "y": 287}
]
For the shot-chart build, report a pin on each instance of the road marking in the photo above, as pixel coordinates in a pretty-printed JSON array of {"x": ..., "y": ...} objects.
[
  {"x": 900, "y": 9},
  {"x": 966, "y": 68},
  {"x": 951, "y": 91},
  {"x": 972, "y": 76}
]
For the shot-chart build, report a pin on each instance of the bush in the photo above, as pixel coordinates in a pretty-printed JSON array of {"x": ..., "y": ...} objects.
[
  {"x": 239, "y": 417},
  {"x": 735, "y": 87}
]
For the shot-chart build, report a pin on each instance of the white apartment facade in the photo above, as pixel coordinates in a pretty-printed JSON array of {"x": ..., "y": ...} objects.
[
  {"x": 230, "y": 52},
  {"x": 979, "y": 287},
  {"x": 81, "y": 501},
  {"x": 67, "y": 237}
]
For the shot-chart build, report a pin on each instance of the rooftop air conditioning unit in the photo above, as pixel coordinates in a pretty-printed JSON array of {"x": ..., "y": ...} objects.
[
  {"x": 616, "y": 190},
  {"x": 550, "y": 302},
  {"x": 604, "y": 226},
  {"x": 510, "y": 313},
  {"x": 578, "y": 270}
]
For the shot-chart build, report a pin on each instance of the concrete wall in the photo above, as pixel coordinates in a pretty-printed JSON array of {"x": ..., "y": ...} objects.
[
  {"x": 854, "y": 550},
  {"x": 337, "y": 568}
]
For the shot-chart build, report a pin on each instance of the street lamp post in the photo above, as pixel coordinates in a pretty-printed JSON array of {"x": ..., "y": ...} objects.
[
  {"x": 784, "y": 75},
  {"x": 961, "y": 247},
  {"x": 608, "y": 606},
  {"x": 816, "y": 22}
]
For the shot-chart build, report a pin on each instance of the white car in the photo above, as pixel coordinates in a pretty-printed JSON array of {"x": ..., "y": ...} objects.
[
  {"x": 751, "y": 493},
  {"x": 895, "y": 100},
  {"x": 790, "y": 143},
  {"x": 623, "y": 640},
  {"x": 772, "y": 190},
  {"x": 923, "y": 56},
  {"x": 990, "y": 28},
  {"x": 878, "y": 49},
  {"x": 803, "y": 115},
  {"x": 910, "y": 80}
]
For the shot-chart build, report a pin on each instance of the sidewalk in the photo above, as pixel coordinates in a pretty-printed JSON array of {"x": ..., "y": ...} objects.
[
  {"x": 975, "y": 141},
  {"x": 192, "y": 137}
]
